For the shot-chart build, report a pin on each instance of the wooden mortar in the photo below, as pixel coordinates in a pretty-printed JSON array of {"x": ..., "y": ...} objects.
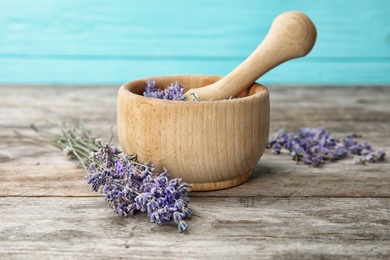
[{"x": 209, "y": 144}]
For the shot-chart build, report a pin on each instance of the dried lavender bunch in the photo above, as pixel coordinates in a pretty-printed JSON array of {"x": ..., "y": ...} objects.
[
  {"x": 316, "y": 145},
  {"x": 128, "y": 185},
  {"x": 132, "y": 187},
  {"x": 173, "y": 92}
]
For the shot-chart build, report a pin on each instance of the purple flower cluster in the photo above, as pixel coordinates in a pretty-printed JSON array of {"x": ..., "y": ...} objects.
[
  {"x": 315, "y": 145},
  {"x": 132, "y": 187},
  {"x": 173, "y": 92},
  {"x": 364, "y": 152}
]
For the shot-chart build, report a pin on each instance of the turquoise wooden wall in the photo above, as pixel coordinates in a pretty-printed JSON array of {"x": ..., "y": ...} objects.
[{"x": 111, "y": 42}]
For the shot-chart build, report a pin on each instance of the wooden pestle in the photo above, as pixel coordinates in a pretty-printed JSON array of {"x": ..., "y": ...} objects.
[{"x": 292, "y": 35}]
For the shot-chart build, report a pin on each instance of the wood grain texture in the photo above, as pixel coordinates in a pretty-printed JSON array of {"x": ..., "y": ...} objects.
[
  {"x": 87, "y": 42},
  {"x": 285, "y": 211},
  {"x": 221, "y": 228},
  {"x": 209, "y": 144},
  {"x": 292, "y": 35}
]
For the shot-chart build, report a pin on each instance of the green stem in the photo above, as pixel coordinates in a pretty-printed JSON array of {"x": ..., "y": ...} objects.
[
  {"x": 86, "y": 141},
  {"x": 77, "y": 155},
  {"x": 85, "y": 151}
]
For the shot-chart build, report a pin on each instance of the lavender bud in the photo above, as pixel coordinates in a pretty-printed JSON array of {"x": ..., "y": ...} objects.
[
  {"x": 182, "y": 226},
  {"x": 370, "y": 157},
  {"x": 180, "y": 204},
  {"x": 380, "y": 155}
]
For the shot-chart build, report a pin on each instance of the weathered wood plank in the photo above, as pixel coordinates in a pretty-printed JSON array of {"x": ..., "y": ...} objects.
[
  {"x": 35, "y": 170},
  {"x": 284, "y": 211},
  {"x": 229, "y": 228},
  {"x": 21, "y": 105},
  {"x": 48, "y": 173}
]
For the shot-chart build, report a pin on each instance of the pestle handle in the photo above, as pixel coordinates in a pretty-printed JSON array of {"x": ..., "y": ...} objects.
[{"x": 292, "y": 35}]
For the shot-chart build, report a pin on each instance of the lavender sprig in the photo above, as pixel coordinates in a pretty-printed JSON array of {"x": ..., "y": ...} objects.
[
  {"x": 314, "y": 146},
  {"x": 129, "y": 186},
  {"x": 132, "y": 187}
]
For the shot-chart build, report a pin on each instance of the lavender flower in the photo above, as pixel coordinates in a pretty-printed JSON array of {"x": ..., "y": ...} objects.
[
  {"x": 132, "y": 187},
  {"x": 173, "y": 92},
  {"x": 315, "y": 145},
  {"x": 129, "y": 186}
]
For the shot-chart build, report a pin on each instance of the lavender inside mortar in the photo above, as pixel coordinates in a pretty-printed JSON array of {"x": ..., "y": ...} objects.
[{"x": 173, "y": 92}]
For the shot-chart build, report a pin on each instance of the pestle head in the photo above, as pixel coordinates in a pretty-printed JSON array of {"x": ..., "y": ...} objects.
[{"x": 292, "y": 35}]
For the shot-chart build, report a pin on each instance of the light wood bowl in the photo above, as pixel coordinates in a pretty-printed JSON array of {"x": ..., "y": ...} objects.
[{"x": 209, "y": 144}]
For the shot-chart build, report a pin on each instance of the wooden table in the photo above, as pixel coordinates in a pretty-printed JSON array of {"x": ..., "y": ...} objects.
[{"x": 284, "y": 211}]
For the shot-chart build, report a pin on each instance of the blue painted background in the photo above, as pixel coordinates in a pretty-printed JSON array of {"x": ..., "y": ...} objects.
[{"x": 111, "y": 42}]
